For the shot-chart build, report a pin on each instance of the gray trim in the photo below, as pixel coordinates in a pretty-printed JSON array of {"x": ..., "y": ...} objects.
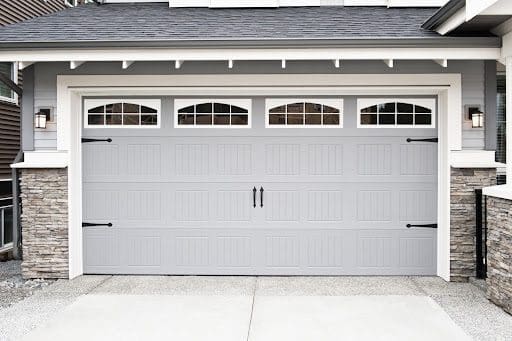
[
  {"x": 490, "y": 104},
  {"x": 443, "y": 14},
  {"x": 27, "y": 110},
  {"x": 241, "y": 43}
]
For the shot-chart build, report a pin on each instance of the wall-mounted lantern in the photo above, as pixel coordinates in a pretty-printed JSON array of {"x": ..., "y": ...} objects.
[
  {"x": 475, "y": 115},
  {"x": 42, "y": 117},
  {"x": 477, "y": 119},
  {"x": 40, "y": 120}
]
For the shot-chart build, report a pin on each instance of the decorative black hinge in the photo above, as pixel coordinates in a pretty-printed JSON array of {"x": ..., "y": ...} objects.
[
  {"x": 433, "y": 140},
  {"x": 430, "y": 226},
  {"x": 87, "y": 140},
  {"x": 94, "y": 224}
]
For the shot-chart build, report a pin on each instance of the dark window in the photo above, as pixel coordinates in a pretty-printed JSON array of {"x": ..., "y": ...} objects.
[
  {"x": 330, "y": 119},
  {"x": 205, "y": 108},
  {"x": 204, "y": 119},
  {"x": 423, "y": 119},
  {"x": 221, "y": 119},
  {"x": 313, "y": 119},
  {"x": 114, "y": 119},
  {"x": 369, "y": 110},
  {"x": 405, "y": 119},
  {"x": 405, "y": 108},
  {"x": 187, "y": 110},
  {"x": 186, "y": 119},
  {"x": 217, "y": 114},
  {"x": 240, "y": 120},
  {"x": 131, "y": 120},
  {"x": 277, "y": 119},
  {"x": 94, "y": 120},
  {"x": 131, "y": 108},
  {"x": 386, "y": 119},
  {"x": 6, "y": 68},
  {"x": 387, "y": 108},
  {"x": 220, "y": 108},
  {"x": 369, "y": 119},
  {"x": 295, "y": 119},
  {"x": 97, "y": 110}
]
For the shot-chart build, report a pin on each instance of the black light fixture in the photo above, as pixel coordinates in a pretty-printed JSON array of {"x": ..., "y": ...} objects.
[
  {"x": 477, "y": 119},
  {"x": 475, "y": 115},
  {"x": 41, "y": 118}
]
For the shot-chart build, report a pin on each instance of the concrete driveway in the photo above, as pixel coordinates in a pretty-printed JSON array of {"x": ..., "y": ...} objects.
[{"x": 256, "y": 309}]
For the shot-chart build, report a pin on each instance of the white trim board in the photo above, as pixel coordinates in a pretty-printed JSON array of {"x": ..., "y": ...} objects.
[
  {"x": 244, "y": 54},
  {"x": 71, "y": 89}
]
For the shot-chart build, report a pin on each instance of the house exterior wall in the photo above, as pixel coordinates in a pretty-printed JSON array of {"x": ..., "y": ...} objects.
[
  {"x": 45, "y": 80},
  {"x": 44, "y": 196},
  {"x": 464, "y": 181},
  {"x": 499, "y": 252}
]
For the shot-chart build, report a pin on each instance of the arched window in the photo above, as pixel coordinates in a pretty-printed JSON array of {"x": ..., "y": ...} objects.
[
  {"x": 301, "y": 113},
  {"x": 222, "y": 113},
  {"x": 125, "y": 113},
  {"x": 396, "y": 113}
]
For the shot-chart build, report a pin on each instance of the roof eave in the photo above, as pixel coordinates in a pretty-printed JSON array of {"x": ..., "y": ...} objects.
[{"x": 269, "y": 43}]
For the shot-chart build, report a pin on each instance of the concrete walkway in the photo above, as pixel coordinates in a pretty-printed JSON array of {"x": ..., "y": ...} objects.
[{"x": 256, "y": 309}]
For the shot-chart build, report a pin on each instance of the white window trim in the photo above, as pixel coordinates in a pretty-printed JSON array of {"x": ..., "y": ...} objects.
[
  {"x": 186, "y": 102},
  {"x": 275, "y": 102},
  {"x": 429, "y": 103},
  {"x": 93, "y": 103},
  {"x": 14, "y": 78}
]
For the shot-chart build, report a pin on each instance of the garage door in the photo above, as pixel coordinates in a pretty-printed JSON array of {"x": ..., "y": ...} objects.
[{"x": 259, "y": 190}]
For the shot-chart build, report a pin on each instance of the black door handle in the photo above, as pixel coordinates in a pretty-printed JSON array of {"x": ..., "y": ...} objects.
[
  {"x": 254, "y": 190},
  {"x": 94, "y": 224},
  {"x": 431, "y": 226},
  {"x": 88, "y": 140},
  {"x": 261, "y": 196},
  {"x": 433, "y": 140}
]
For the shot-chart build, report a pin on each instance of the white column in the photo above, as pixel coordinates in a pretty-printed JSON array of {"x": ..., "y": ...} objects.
[{"x": 509, "y": 119}]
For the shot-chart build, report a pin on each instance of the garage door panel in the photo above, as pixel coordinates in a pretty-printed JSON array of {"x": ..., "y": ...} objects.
[
  {"x": 418, "y": 159},
  {"x": 335, "y": 204}
]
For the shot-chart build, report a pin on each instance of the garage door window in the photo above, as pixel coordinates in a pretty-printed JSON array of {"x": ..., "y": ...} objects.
[
  {"x": 396, "y": 113},
  {"x": 304, "y": 113},
  {"x": 212, "y": 113},
  {"x": 122, "y": 113}
]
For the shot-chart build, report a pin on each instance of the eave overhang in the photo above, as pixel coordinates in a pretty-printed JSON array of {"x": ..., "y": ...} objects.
[{"x": 488, "y": 41}]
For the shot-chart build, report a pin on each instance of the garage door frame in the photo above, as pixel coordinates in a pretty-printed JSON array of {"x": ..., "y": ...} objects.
[{"x": 71, "y": 89}]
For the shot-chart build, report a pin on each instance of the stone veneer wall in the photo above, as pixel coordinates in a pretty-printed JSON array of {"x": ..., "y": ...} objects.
[
  {"x": 464, "y": 181},
  {"x": 44, "y": 223},
  {"x": 499, "y": 252}
]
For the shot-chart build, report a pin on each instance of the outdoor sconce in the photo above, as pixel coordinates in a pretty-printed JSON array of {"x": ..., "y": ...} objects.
[
  {"x": 475, "y": 115},
  {"x": 477, "y": 119},
  {"x": 41, "y": 118}
]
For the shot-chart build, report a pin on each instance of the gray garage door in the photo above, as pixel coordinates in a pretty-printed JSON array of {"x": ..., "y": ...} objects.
[{"x": 261, "y": 201}]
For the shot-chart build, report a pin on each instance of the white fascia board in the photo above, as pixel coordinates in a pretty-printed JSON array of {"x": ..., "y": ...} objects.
[
  {"x": 416, "y": 3},
  {"x": 476, "y": 7},
  {"x": 453, "y": 22},
  {"x": 268, "y": 54},
  {"x": 243, "y": 3}
]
